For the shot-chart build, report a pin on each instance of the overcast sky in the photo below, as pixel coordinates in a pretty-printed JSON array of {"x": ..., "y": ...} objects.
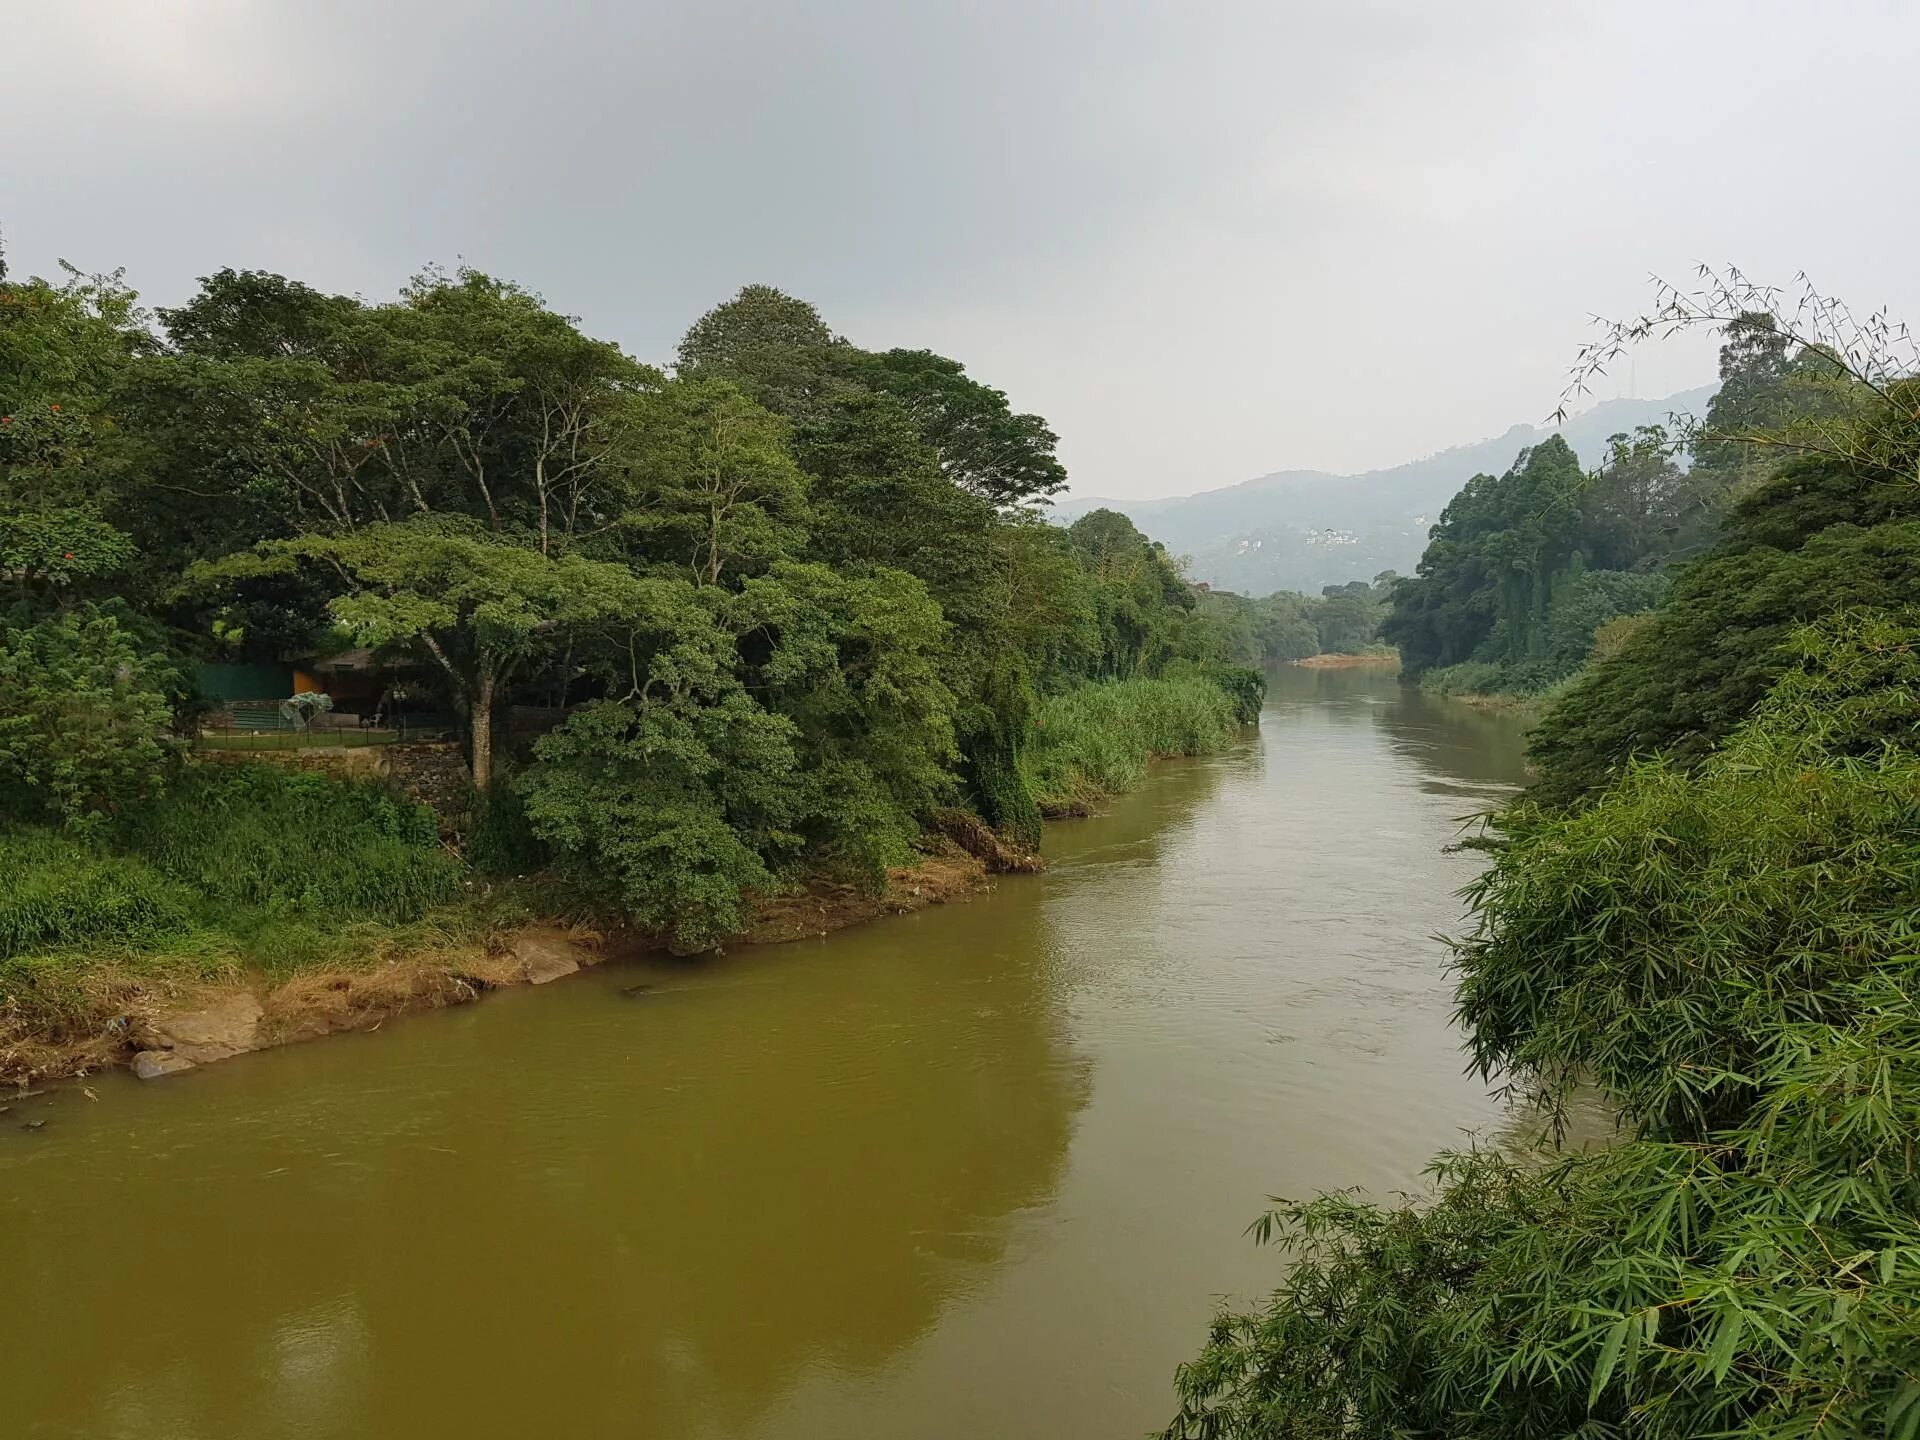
[{"x": 1206, "y": 240}]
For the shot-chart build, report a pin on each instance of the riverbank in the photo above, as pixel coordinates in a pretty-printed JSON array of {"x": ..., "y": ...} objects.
[
  {"x": 1526, "y": 707},
  {"x": 166, "y": 969},
  {"x": 158, "y": 1021},
  {"x": 1349, "y": 662},
  {"x": 951, "y": 1108}
]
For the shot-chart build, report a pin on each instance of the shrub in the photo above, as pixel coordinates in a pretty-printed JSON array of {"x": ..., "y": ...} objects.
[
  {"x": 1469, "y": 677},
  {"x": 1651, "y": 940},
  {"x": 501, "y": 840},
  {"x": 83, "y": 718},
  {"x": 1728, "y": 954},
  {"x": 1247, "y": 689},
  {"x": 1759, "y": 1283},
  {"x": 993, "y": 736}
]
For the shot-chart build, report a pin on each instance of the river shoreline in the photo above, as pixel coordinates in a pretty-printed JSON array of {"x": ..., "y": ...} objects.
[
  {"x": 1348, "y": 662},
  {"x": 159, "y": 1027}
]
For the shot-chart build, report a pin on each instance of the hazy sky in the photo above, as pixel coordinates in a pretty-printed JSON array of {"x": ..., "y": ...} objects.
[{"x": 1206, "y": 240}]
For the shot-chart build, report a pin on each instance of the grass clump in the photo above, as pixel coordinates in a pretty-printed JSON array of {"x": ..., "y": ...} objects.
[
  {"x": 233, "y": 866},
  {"x": 1097, "y": 740},
  {"x": 259, "y": 837},
  {"x": 57, "y": 891}
]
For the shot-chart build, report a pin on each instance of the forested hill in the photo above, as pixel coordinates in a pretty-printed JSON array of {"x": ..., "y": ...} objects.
[{"x": 1305, "y": 529}]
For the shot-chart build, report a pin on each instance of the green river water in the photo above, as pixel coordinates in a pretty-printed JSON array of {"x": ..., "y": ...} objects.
[{"x": 981, "y": 1171}]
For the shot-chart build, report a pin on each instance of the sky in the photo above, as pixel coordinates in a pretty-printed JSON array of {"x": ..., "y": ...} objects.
[{"x": 1206, "y": 240}]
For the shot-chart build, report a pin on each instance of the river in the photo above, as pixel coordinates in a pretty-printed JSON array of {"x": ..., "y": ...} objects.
[{"x": 979, "y": 1171}]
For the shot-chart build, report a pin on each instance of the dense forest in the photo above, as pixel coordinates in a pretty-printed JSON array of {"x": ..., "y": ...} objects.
[
  {"x": 785, "y": 603},
  {"x": 1528, "y": 572},
  {"x": 1701, "y": 915},
  {"x": 1285, "y": 626}
]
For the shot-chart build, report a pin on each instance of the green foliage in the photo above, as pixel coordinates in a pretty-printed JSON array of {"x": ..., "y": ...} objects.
[
  {"x": 84, "y": 710},
  {"x": 1728, "y": 956},
  {"x": 852, "y": 661},
  {"x": 1524, "y": 568},
  {"x": 501, "y": 840},
  {"x": 229, "y": 855},
  {"x": 994, "y": 735},
  {"x": 717, "y": 489},
  {"x": 1097, "y": 739},
  {"x": 802, "y": 717},
  {"x": 1692, "y": 674},
  {"x": 983, "y": 446},
  {"x": 1761, "y": 1283},
  {"x": 57, "y": 891},
  {"x": 1137, "y": 595},
  {"x": 1684, "y": 917},
  {"x": 48, "y": 551},
  {"x": 669, "y": 805},
  {"x": 774, "y": 347},
  {"x": 260, "y": 838},
  {"x": 1246, "y": 688}
]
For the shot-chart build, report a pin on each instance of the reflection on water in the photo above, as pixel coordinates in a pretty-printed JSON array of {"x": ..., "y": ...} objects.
[{"x": 976, "y": 1171}]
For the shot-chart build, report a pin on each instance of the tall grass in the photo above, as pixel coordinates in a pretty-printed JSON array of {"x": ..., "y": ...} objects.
[
  {"x": 230, "y": 851},
  {"x": 236, "y": 865},
  {"x": 1097, "y": 740},
  {"x": 56, "y": 891},
  {"x": 265, "y": 838}
]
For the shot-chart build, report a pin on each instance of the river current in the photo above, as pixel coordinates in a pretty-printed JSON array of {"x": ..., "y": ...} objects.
[{"x": 979, "y": 1171}]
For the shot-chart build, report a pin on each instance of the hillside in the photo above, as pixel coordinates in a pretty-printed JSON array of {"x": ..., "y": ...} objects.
[{"x": 1302, "y": 529}]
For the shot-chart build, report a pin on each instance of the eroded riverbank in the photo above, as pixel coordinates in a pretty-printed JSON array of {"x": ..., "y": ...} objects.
[{"x": 156, "y": 1026}]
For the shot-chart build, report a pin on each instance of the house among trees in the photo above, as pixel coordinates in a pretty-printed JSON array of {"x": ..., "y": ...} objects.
[{"x": 363, "y": 690}]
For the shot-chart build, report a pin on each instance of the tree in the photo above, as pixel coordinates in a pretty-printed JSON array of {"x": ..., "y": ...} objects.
[
  {"x": 533, "y": 413},
  {"x": 1690, "y": 675},
  {"x": 678, "y": 794},
  {"x": 84, "y": 708},
  {"x": 853, "y": 662},
  {"x": 1137, "y": 593},
  {"x": 1503, "y": 582},
  {"x": 716, "y": 492},
  {"x": 774, "y": 347},
  {"x": 982, "y": 445},
  {"x": 478, "y": 606}
]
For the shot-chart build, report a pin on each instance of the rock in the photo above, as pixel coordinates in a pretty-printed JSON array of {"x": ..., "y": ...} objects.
[
  {"x": 226, "y": 1023},
  {"x": 546, "y": 955},
  {"x": 34, "y": 1125},
  {"x": 152, "y": 1064}
]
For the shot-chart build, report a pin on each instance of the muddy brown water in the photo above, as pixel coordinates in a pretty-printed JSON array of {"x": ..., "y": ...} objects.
[{"x": 977, "y": 1171}]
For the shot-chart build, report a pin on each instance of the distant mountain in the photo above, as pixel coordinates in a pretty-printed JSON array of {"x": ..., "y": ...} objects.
[{"x": 1302, "y": 529}]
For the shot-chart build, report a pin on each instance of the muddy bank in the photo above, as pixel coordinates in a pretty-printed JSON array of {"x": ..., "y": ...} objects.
[
  {"x": 1348, "y": 662},
  {"x": 160, "y": 1027}
]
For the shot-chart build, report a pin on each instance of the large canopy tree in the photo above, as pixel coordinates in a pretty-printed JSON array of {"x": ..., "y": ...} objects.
[{"x": 478, "y": 606}]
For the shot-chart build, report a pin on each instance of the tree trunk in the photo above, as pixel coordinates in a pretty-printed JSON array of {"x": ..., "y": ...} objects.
[{"x": 482, "y": 722}]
